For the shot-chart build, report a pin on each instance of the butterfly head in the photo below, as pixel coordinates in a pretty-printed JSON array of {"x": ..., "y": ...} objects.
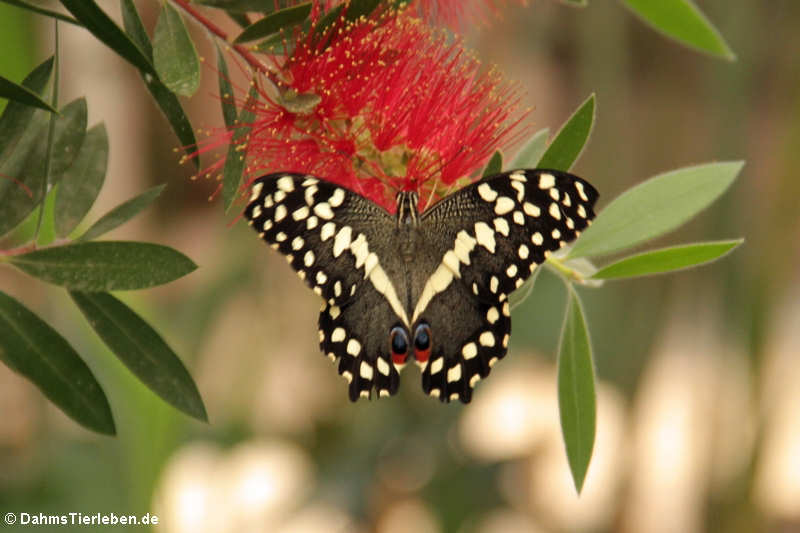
[
  {"x": 402, "y": 344},
  {"x": 407, "y": 213}
]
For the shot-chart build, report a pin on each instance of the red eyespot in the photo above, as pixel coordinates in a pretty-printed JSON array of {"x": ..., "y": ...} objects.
[
  {"x": 399, "y": 342},
  {"x": 422, "y": 343}
]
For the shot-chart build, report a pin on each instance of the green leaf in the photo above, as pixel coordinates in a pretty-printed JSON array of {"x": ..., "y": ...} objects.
[
  {"x": 667, "y": 259},
  {"x": 226, "y": 91},
  {"x": 68, "y": 137},
  {"x": 275, "y": 22},
  {"x": 101, "y": 266},
  {"x": 165, "y": 99},
  {"x": 16, "y": 117},
  {"x": 174, "y": 54},
  {"x": 101, "y": 26},
  {"x": 655, "y": 207},
  {"x": 532, "y": 151},
  {"x": 235, "y": 160},
  {"x": 240, "y": 6},
  {"x": 22, "y": 190},
  {"x": 570, "y": 139},
  {"x": 142, "y": 350},
  {"x": 82, "y": 181},
  {"x": 134, "y": 27},
  {"x": 495, "y": 165},
  {"x": 575, "y": 3},
  {"x": 32, "y": 348},
  {"x": 21, "y": 94},
  {"x": 683, "y": 21},
  {"x": 576, "y": 395},
  {"x": 122, "y": 213},
  {"x": 42, "y": 11}
]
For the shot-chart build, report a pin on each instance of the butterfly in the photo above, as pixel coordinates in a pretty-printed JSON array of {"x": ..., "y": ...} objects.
[{"x": 428, "y": 287}]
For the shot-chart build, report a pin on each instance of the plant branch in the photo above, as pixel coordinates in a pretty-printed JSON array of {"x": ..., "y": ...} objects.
[{"x": 215, "y": 30}]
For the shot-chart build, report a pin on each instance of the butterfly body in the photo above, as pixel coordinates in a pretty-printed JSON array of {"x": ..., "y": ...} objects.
[{"x": 432, "y": 287}]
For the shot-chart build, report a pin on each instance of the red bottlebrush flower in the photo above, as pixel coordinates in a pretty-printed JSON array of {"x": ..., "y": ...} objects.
[{"x": 388, "y": 105}]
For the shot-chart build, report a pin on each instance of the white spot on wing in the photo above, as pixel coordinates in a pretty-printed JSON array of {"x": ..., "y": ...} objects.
[
  {"x": 383, "y": 368},
  {"x": 286, "y": 184},
  {"x": 354, "y": 348},
  {"x": 492, "y": 315},
  {"x": 520, "y": 188},
  {"x": 469, "y": 351},
  {"x": 338, "y": 335},
  {"x": 323, "y": 210},
  {"x": 485, "y": 236},
  {"x": 546, "y": 181},
  {"x": 436, "y": 366},
  {"x": 327, "y": 231},
  {"x": 501, "y": 226},
  {"x": 300, "y": 214},
  {"x": 336, "y": 198},
  {"x": 531, "y": 210},
  {"x": 280, "y": 213},
  {"x": 255, "y": 192},
  {"x": 518, "y": 218},
  {"x": 504, "y": 205},
  {"x": 486, "y": 192},
  {"x": 555, "y": 211},
  {"x": 342, "y": 240},
  {"x": 454, "y": 374},
  {"x": 581, "y": 191},
  {"x": 486, "y": 339},
  {"x": 308, "y": 259}
]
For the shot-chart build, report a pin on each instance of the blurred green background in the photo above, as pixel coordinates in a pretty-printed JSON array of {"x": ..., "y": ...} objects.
[{"x": 699, "y": 408}]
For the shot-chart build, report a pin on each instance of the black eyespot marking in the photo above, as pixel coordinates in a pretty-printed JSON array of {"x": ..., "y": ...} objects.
[{"x": 399, "y": 340}]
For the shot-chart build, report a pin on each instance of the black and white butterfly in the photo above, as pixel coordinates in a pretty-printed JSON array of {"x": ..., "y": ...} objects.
[{"x": 430, "y": 287}]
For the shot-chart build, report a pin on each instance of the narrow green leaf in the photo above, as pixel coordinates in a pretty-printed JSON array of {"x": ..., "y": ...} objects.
[
  {"x": 134, "y": 27},
  {"x": 23, "y": 95},
  {"x": 575, "y": 3},
  {"x": 570, "y": 139},
  {"x": 174, "y": 54},
  {"x": 165, "y": 99},
  {"x": 32, "y": 348},
  {"x": 240, "y": 6},
  {"x": 495, "y": 165},
  {"x": 576, "y": 395},
  {"x": 101, "y": 26},
  {"x": 235, "y": 160},
  {"x": 68, "y": 137},
  {"x": 22, "y": 188},
  {"x": 42, "y": 11},
  {"x": 175, "y": 115},
  {"x": 82, "y": 181},
  {"x": 275, "y": 22},
  {"x": 226, "y": 91},
  {"x": 101, "y": 266},
  {"x": 142, "y": 350},
  {"x": 532, "y": 151},
  {"x": 667, "y": 259},
  {"x": 683, "y": 21},
  {"x": 655, "y": 207},
  {"x": 122, "y": 213},
  {"x": 16, "y": 117}
]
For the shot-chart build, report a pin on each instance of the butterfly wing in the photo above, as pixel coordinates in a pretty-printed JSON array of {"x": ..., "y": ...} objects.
[
  {"x": 490, "y": 235},
  {"x": 333, "y": 238}
]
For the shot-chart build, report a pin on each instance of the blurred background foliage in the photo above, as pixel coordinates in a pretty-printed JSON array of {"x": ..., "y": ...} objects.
[{"x": 697, "y": 397}]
